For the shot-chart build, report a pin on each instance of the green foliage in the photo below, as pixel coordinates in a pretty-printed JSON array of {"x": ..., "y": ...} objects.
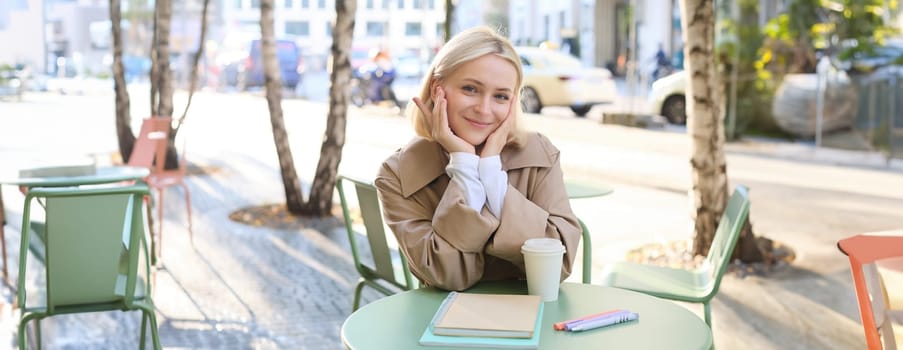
[
  {"x": 860, "y": 24},
  {"x": 739, "y": 49}
]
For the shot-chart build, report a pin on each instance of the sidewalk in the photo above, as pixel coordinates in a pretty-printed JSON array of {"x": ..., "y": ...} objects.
[{"x": 244, "y": 287}]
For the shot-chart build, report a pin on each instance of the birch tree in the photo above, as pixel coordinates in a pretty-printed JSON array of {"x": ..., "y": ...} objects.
[
  {"x": 124, "y": 134},
  {"x": 320, "y": 202},
  {"x": 273, "y": 84},
  {"x": 705, "y": 123},
  {"x": 705, "y": 127},
  {"x": 161, "y": 75}
]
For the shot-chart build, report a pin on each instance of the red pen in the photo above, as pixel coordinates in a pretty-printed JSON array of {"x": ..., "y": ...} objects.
[{"x": 560, "y": 325}]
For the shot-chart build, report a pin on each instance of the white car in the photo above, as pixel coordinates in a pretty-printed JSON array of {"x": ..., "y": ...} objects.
[
  {"x": 552, "y": 78},
  {"x": 666, "y": 98}
]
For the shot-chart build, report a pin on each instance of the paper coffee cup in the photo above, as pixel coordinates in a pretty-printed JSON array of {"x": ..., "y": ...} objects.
[{"x": 542, "y": 259}]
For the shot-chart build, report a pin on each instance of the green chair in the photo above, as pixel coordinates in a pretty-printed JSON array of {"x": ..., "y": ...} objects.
[
  {"x": 94, "y": 237},
  {"x": 389, "y": 272},
  {"x": 695, "y": 286},
  {"x": 587, "y": 255}
]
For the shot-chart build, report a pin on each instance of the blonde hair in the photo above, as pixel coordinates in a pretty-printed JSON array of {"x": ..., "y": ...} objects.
[{"x": 464, "y": 47}]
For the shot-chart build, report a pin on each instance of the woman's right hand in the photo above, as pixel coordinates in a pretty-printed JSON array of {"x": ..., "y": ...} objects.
[{"x": 440, "y": 131}]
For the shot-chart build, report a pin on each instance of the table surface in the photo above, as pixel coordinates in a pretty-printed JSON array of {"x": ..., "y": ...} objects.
[
  {"x": 581, "y": 190},
  {"x": 398, "y": 321},
  {"x": 100, "y": 175}
]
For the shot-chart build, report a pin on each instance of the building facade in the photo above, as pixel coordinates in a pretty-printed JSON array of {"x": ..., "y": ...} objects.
[
  {"x": 600, "y": 32},
  {"x": 403, "y": 27},
  {"x": 22, "y": 32}
]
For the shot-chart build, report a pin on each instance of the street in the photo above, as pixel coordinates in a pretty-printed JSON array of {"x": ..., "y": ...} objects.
[{"x": 247, "y": 287}]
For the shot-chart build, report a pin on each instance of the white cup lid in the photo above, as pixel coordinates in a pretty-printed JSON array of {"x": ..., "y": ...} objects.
[{"x": 542, "y": 245}]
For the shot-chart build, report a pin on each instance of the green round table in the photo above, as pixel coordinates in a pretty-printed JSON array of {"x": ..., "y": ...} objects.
[
  {"x": 99, "y": 175},
  {"x": 582, "y": 190},
  {"x": 82, "y": 176},
  {"x": 397, "y": 322}
]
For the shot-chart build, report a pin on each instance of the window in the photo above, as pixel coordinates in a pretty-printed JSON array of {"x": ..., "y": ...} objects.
[
  {"x": 288, "y": 4},
  {"x": 400, "y": 4},
  {"x": 369, "y": 4},
  {"x": 305, "y": 4},
  {"x": 376, "y": 28},
  {"x": 440, "y": 30},
  {"x": 299, "y": 28},
  {"x": 432, "y": 4},
  {"x": 238, "y": 4},
  {"x": 418, "y": 4},
  {"x": 329, "y": 26},
  {"x": 386, "y": 4},
  {"x": 321, "y": 4},
  {"x": 255, "y": 4},
  {"x": 412, "y": 29}
]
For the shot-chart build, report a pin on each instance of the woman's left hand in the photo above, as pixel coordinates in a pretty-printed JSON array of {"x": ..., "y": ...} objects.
[{"x": 499, "y": 138}]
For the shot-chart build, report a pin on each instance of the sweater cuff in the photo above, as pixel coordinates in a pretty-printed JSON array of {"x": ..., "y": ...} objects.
[{"x": 462, "y": 169}]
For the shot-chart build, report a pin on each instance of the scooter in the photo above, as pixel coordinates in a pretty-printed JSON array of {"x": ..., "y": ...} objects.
[{"x": 372, "y": 84}]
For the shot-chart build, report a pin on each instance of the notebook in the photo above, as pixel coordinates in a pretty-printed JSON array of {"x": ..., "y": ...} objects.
[
  {"x": 487, "y": 315},
  {"x": 430, "y": 339}
]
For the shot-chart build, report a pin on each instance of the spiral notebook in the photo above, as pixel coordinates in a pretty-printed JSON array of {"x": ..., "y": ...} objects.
[{"x": 503, "y": 321}]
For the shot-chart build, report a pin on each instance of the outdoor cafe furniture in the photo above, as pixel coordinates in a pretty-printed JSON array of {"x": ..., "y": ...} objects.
[
  {"x": 95, "y": 241},
  {"x": 389, "y": 273},
  {"x": 150, "y": 151},
  {"x": 63, "y": 176},
  {"x": 398, "y": 321},
  {"x": 579, "y": 190},
  {"x": 864, "y": 252}
]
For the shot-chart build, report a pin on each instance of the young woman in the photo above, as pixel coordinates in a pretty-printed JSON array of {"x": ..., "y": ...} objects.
[{"x": 464, "y": 195}]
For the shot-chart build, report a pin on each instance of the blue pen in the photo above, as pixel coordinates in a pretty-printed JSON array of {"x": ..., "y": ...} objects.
[
  {"x": 619, "y": 313},
  {"x": 605, "y": 321}
]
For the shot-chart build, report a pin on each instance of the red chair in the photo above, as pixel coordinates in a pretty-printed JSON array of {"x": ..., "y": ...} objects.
[
  {"x": 864, "y": 251},
  {"x": 162, "y": 178},
  {"x": 150, "y": 152}
]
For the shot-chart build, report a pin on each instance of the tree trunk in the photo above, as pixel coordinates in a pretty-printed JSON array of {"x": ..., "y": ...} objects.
[
  {"x": 192, "y": 82},
  {"x": 124, "y": 133},
  {"x": 449, "y": 18},
  {"x": 705, "y": 122},
  {"x": 161, "y": 76},
  {"x": 320, "y": 201},
  {"x": 273, "y": 82}
]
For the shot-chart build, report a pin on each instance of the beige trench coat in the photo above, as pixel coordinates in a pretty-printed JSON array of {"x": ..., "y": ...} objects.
[{"x": 451, "y": 246}]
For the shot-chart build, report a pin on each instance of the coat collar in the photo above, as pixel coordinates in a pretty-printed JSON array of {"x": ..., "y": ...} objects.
[{"x": 422, "y": 161}]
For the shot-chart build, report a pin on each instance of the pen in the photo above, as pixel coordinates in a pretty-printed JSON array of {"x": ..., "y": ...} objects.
[
  {"x": 605, "y": 321},
  {"x": 560, "y": 326},
  {"x": 620, "y": 313}
]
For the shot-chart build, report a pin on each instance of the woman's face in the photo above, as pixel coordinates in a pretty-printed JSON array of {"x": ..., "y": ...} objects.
[{"x": 480, "y": 94}]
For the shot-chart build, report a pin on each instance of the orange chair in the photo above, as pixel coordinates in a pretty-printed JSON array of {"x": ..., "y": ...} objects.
[
  {"x": 162, "y": 178},
  {"x": 150, "y": 145},
  {"x": 864, "y": 251}
]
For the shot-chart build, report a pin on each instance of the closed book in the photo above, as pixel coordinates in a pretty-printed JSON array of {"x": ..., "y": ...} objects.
[
  {"x": 487, "y": 315},
  {"x": 431, "y": 339}
]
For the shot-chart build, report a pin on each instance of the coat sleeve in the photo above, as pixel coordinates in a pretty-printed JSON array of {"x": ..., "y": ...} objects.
[
  {"x": 540, "y": 209},
  {"x": 444, "y": 244}
]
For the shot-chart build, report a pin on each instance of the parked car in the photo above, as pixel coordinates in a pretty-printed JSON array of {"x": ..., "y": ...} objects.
[
  {"x": 291, "y": 64},
  {"x": 12, "y": 81},
  {"x": 243, "y": 67},
  {"x": 666, "y": 97},
  {"x": 553, "y": 78}
]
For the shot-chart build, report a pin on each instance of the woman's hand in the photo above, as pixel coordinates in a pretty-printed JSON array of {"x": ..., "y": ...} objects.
[
  {"x": 499, "y": 138},
  {"x": 441, "y": 132}
]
